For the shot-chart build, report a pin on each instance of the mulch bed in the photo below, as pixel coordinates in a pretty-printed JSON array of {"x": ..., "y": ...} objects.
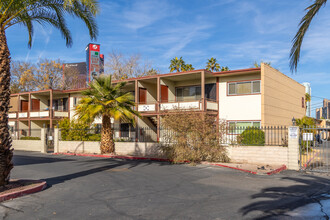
[{"x": 18, "y": 185}]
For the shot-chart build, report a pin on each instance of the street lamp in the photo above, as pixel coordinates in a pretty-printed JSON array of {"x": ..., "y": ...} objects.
[{"x": 293, "y": 121}]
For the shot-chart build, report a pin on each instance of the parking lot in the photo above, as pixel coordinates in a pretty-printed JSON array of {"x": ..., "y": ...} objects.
[{"x": 104, "y": 188}]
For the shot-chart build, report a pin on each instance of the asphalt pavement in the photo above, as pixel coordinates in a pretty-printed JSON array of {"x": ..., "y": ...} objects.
[{"x": 105, "y": 188}]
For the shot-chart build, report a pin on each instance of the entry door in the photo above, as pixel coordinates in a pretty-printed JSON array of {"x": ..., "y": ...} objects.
[
  {"x": 164, "y": 93},
  {"x": 24, "y": 105},
  {"x": 142, "y": 95},
  {"x": 35, "y": 105}
]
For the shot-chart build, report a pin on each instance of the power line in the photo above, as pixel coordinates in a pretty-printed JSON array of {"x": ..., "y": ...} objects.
[{"x": 319, "y": 97}]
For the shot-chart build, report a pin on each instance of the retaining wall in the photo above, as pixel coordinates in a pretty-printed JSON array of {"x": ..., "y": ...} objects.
[
  {"x": 272, "y": 155},
  {"x": 28, "y": 145},
  {"x": 122, "y": 148}
]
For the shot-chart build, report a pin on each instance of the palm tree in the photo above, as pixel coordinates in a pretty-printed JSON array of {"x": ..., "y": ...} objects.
[
  {"x": 177, "y": 64},
  {"x": 212, "y": 65},
  {"x": 307, "y": 99},
  {"x": 312, "y": 10},
  {"x": 187, "y": 67},
  {"x": 257, "y": 65},
  {"x": 105, "y": 100},
  {"x": 25, "y": 13},
  {"x": 224, "y": 68}
]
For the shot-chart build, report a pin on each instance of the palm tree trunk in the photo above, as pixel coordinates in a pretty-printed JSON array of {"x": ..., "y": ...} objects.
[
  {"x": 107, "y": 143},
  {"x": 6, "y": 153}
]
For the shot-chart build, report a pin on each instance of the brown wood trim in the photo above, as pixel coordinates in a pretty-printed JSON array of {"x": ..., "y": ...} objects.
[
  {"x": 69, "y": 108},
  {"x": 203, "y": 90}
]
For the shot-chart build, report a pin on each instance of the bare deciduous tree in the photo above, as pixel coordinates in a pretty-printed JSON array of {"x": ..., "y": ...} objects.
[{"x": 124, "y": 67}]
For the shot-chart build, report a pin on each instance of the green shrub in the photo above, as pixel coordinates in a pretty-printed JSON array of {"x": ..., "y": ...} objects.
[
  {"x": 30, "y": 138},
  {"x": 94, "y": 137},
  {"x": 252, "y": 136},
  {"x": 76, "y": 131}
]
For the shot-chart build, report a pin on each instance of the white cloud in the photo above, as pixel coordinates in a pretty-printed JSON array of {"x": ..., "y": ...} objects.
[{"x": 144, "y": 13}]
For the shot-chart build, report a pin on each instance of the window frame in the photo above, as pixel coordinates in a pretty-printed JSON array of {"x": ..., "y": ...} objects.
[
  {"x": 240, "y": 82},
  {"x": 181, "y": 87}
]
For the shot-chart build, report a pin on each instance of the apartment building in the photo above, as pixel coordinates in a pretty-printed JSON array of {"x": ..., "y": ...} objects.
[
  {"x": 245, "y": 97},
  {"x": 324, "y": 112}
]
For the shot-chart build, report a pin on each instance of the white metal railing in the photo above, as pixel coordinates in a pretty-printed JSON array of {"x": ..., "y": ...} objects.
[
  {"x": 12, "y": 115},
  {"x": 147, "y": 107},
  {"x": 61, "y": 114},
  {"x": 181, "y": 105},
  {"x": 41, "y": 114},
  {"x": 23, "y": 115},
  {"x": 211, "y": 105}
]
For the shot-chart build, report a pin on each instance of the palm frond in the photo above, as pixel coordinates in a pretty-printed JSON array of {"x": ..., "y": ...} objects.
[{"x": 312, "y": 10}]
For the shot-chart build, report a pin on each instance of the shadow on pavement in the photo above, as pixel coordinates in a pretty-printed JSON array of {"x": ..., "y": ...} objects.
[
  {"x": 20, "y": 160},
  {"x": 279, "y": 200},
  {"x": 114, "y": 163}
]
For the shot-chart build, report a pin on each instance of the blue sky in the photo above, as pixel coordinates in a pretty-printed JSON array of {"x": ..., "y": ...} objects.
[{"x": 236, "y": 32}]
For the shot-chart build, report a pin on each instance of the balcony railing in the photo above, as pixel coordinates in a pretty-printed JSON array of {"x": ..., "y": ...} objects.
[
  {"x": 23, "y": 114},
  {"x": 61, "y": 114},
  {"x": 210, "y": 105},
  {"x": 12, "y": 115},
  {"x": 39, "y": 114}
]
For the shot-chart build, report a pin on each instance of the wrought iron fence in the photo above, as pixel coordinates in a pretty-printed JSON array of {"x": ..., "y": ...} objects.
[
  {"x": 255, "y": 136},
  {"x": 315, "y": 149},
  {"x": 25, "y": 134}
]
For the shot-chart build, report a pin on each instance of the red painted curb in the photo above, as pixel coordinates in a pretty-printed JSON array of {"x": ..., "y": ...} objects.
[
  {"x": 235, "y": 168},
  {"x": 283, "y": 167},
  {"x": 23, "y": 192}
]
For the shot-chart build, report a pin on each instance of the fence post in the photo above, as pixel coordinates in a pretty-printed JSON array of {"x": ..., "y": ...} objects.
[
  {"x": 43, "y": 140},
  {"x": 293, "y": 148},
  {"x": 56, "y": 139}
]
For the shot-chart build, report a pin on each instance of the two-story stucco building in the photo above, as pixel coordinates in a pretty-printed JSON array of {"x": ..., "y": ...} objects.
[{"x": 245, "y": 97}]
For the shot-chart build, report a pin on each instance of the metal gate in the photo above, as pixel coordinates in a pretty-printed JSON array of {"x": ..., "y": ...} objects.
[
  {"x": 50, "y": 139},
  {"x": 315, "y": 149}
]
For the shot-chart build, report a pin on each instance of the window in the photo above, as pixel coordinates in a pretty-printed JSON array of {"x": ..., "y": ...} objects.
[
  {"x": 237, "y": 127},
  {"x": 74, "y": 101},
  {"x": 211, "y": 91},
  {"x": 124, "y": 130},
  {"x": 188, "y": 93},
  {"x": 242, "y": 88}
]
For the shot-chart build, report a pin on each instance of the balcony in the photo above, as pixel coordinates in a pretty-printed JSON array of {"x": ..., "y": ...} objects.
[
  {"x": 193, "y": 105},
  {"x": 23, "y": 114},
  {"x": 61, "y": 114},
  {"x": 147, "y": 107},
  {"x": 39, "y": 114},
  {"x": 12, "y": 115}
]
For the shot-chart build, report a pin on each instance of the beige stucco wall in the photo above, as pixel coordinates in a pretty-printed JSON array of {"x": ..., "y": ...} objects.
[
  {"x": 43, "y": 101},
  {"x": 281, "y": 97},
  {"x": 151, "y": 91},
  {"x": 171, "y": 89},
  {"x": 13, "y": 103}
]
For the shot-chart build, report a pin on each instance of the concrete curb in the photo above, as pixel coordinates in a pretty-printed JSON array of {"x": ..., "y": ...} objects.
[
  {"x": 283, "y": 167},
  {"x": 42, "y": 185}
]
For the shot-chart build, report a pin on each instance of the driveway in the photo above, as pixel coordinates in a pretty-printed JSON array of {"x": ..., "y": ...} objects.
[{"x": 103, "y": 188}]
